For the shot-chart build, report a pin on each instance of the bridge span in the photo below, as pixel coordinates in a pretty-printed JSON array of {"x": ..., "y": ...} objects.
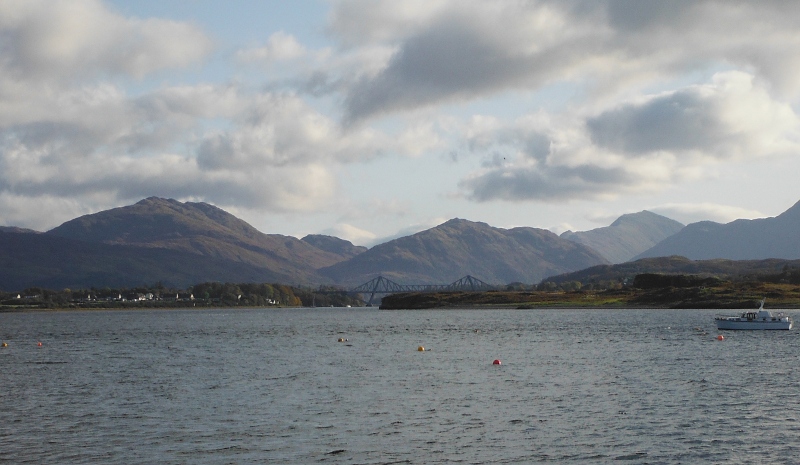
[{"x": 382, "y": 285}]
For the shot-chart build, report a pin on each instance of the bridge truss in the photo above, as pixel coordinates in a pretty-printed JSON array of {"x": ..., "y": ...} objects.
[{"x": 381, "y": 285}]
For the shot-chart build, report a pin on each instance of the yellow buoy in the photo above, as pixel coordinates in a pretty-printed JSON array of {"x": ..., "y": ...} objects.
[
  {"x": 341, "y": 339},
  {"x": 5, "y": 344},
  {"x": 420, "y": 349}
]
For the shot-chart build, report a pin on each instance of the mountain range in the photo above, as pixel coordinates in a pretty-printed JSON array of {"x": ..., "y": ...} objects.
[
  {"x": 184, "y": 243},
  {"x": 776, "y": 237},
  {"x": 459, "y": 247},
  {"x": 628, "y": 236}
]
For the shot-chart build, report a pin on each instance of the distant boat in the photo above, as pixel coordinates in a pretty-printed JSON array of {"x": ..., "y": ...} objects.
[{"x": 762, "y": 319}]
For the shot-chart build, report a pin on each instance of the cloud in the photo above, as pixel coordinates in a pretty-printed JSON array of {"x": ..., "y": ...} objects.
[
  {"x": 272, "y": 152},
  {"x": 49, "y": 210},
  {"x": 278, "y": 157},
  {"x": 277, "y": 130},
  {"x": 731, "y": 117},
  {"x": 67, "y": 131},
  {"x": 279, "y": 47},
  {"x": 465, "y": 50},
  {"x": 359, "y": 22},
  {"x": 79, "y": 119},
  {"x": 58, "y": 60},
  {"x": 351, "y": 233},
  {"x": 47, "y": 40},
  {"x": 694, "y": 212},
  {"x": 409, "y": 230},
  {"x": 640, "y": 145},
  {"x": 551, "y": 184}
]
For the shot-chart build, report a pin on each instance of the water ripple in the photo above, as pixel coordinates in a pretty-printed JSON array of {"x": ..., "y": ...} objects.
[{"x": 244, "y": 386}]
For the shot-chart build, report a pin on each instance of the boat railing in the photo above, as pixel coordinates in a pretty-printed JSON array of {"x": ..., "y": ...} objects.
[
  {"x": 729, "y": 315},
  {"x": 751, "y": 316}
]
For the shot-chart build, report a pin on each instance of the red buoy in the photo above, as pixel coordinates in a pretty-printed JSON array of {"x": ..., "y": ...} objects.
[
  {"x": 496, "y": 362},
  {"x": 720, "y": 337},
  {"x": 39, "y": 344}
]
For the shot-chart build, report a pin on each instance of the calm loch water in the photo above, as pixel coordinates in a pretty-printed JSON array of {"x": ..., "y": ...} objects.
[{"x": 276, "y": 386}]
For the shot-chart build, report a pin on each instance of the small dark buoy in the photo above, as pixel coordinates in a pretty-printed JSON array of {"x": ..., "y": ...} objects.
[{"x": 497, "y": 362}]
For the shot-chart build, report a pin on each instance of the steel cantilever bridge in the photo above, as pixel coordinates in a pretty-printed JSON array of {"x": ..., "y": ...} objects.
[{"x": 381, "y": 285}]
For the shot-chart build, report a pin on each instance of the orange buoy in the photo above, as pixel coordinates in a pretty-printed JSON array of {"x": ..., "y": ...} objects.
[
  {"x": 497, "y": 362},
  {"x": 420, "y": 349},
  {"x": 720, "y": 337}
]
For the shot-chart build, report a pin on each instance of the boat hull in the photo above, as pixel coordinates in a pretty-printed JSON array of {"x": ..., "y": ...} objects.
[{"x": 738, "y": 324}]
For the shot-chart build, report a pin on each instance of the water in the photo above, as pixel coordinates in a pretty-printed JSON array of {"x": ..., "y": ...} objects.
[{"x": 275, "y": 386}]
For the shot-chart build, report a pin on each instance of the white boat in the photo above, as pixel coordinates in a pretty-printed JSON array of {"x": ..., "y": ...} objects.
[{"x": 762, "y": 319}]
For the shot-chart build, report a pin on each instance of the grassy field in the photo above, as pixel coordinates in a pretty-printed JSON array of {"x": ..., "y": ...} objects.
[{"x": 727, "y": 295}]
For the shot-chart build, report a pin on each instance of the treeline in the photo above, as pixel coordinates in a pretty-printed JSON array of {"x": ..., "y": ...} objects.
[
  {"x": 566, "y": 286},
  {"x": 203, "y": 294},
  {"x": 787, "y": 276}
]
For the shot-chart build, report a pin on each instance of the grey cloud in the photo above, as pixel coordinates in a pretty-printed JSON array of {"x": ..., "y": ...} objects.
[
  {"x": 547, "y": 184},
  {"x": 680, "y": 121},
  {"x": 451, "y": 56},
  {"x": 639, "y": 145},
  {"x": 118, "y": 129},
  {"x": 637, "y": 15},
  {"x": 472, "y": 50},
  {"x": 453, "y": 59},
  {"x": 536, "y": 145}
]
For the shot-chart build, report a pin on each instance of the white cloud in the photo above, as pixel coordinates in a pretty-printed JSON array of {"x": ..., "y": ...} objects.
[
  {"x": 357, "y": 22},
  {"x": 453, "y": 51},
  {"x": 56, "y": 39},
  {"x": 410, "y": 230},
  {"x": 351, "y": 233},
  {"x": 79, "y": 122},
  {"x": 68, "y": 128},
  {"x": 279, "y": 47},
  {"x": 693, "y": 212},
  {"x": 729, "y": 118},
  {"x": 48, "y": 211},
  {"x": 638, "y": 146}
]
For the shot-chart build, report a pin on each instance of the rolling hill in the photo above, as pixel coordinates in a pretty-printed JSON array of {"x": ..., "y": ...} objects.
[{"x": 675, "y": 265}]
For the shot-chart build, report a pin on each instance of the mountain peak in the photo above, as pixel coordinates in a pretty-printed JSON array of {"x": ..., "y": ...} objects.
[
  {"x": 774, "y": 237},
  {"x": 460, "y": 223},
  {"x": 792, "y": 213},
  {"x": 461, "y": 247},
  {"x": 637, "y": 218},
  {"x": 201, "y": 229},
  {"x": 628, "y": 236},
  {"x": 334, "y": 245}
]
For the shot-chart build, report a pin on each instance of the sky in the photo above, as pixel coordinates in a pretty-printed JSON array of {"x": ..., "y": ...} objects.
[{"x": 369, "y": 120}]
